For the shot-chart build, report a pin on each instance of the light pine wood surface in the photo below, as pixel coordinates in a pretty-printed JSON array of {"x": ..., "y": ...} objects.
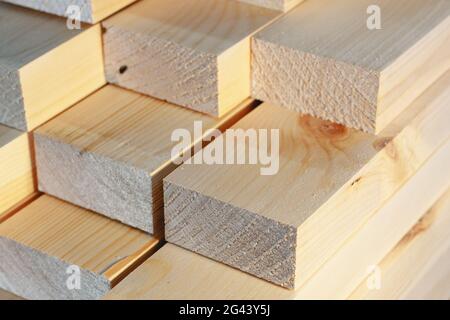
[
  {"x": 110, "y": 152},
  {"x": 194, "y": 53},
  {"x": 322, "y": 59},
  {"x": 16, "y": 169},
  {"x": 331, "y": 179},
  {"x": 44, "y": 66},
  {"x": 49, "y": 241},
  {"x": 419, "y": 266},
  {"x": 282, "y": 5},
  {"x": 176, "y": 273},
  {"x": 91, "y": 11}
]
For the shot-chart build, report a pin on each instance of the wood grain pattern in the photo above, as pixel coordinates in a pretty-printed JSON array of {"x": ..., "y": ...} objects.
[
  {"x": 274, "y": 226},
  {"x": 43, "y": 240},
  {"x": 91, "y": 11},
  {"x": 176, "y": 273},
  {"x": 16, "y": 170},
  {"x": 419, "y": 266},
  {"x": 322, "y": 59},
  {"x": 194, "y": 53},
  {"x": 44, "y": 67},
  {"x": 110, "y": 152},
  {"x": 282, "y": 5}
]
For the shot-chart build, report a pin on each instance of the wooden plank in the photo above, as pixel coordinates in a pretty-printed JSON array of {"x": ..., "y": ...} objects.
[
  {"x": 110, "y": 152},
  {"x": 194, "y": 53},
  {"x": 176, "y": 273},
  {"x": 91, "y": 11},
  {"x": 330, "y": 180},
  {"x": 282, "y": 5},
  {"x": 49, "y": 241},
  {"x": 419, "y": 266},
  {"x": 44, "y": 67},
  {"x": 4, "y": 295},
  {"x": 322, "y": 59},
  {"x": 16, "y": 170}
]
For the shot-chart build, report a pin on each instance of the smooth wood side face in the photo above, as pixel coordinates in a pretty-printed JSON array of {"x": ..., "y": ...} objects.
[
  {"x": 326, "y": 172},
  {"x": 110, "y": 152},
  {"x": 72, "y": 71},
  {"x": 50, "y": 240},
  {"x": 282, "y": 5},
  {"x": 45, "y": 67},
  {"x": 193, "y": 53},
  {"x": 409, "y": 76},
  {"x": 16, "y": 170},
  {"x": 323, "y": 59},
  {"x": 337, "y": 278},
  {"x": 418, "y": 266},
  {"x": 91, "y": 11}
]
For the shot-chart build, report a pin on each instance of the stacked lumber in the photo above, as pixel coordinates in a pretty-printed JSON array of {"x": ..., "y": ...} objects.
[
  {"x": 331, "y": 179},
  {"x": 49, "y": 241},
  {"x": 321, "y": 59},
  {"x": 419, "y": 266},
  {"x": 143, "y": 127},
  {"x": 164, "y": 275},
  {"x": 110, "y": 152},
  {"x": 17, "y": 182},
  {"x": 44, "y": 67},
  {"x": 194, "y": 53},
  {"x": 91, "y": 11}
]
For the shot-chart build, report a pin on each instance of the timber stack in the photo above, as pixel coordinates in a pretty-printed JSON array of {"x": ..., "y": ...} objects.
[{"x": 225, "y": 149}]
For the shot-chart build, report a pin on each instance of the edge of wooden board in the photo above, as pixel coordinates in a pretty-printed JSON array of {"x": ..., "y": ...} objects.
[
  {"x": 54, "y": 250},
  {"x": 360, "y": 192}
]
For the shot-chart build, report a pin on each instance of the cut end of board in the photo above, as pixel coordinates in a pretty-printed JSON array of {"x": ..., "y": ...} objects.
[
  {"x": 324, "y": 58},
  {"x": 187, "y": 213},
  {"x": 89, "y": 11},
  {"x": 97, "y": 252},
  {"x": 194, "y": 53}
]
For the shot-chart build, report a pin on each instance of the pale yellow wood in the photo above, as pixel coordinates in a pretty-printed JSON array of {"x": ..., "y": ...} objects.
[
  {"x": 175, "y": 273},
  {"x": 331, "y": 180},
  {"x": 195, "y": 53},
  {"x": 40, "y": 242},
  {"x": 418, "y": 267},
  {"x": 282, "y": 5},
  {"x": 16, "y": 169},
  {"x": 4, "y": 295},
  {"x": 91, "y": 11},
  {"x": 110, "y": 152},
  {"x": 346, "y": 269},
  {"x": 321, "y": 58},
  {"x": 44, "y": 66}
]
